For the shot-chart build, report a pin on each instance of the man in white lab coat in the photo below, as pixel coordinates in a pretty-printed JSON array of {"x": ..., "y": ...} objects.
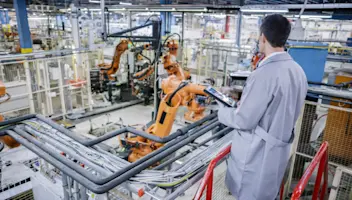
[{"x": 265, "y": 117}]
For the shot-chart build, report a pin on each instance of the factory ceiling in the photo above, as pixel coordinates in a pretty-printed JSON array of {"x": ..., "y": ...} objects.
[{"x": 65, "y": 3}]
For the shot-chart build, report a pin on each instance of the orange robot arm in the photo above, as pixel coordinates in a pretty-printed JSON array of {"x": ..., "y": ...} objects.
[
  {"x": 173, "y": 47},
  {"x": 173, "y": 68},
  {"x": 179, "y": 93},
  {"x": 112, "y": 68},
  {"x": 143, "y": 74}
]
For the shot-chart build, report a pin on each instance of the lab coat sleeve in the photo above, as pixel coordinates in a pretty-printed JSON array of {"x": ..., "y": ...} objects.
[{"x": 252, "y": 106}]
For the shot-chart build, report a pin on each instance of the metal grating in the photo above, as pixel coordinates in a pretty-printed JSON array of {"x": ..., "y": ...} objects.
[
  {"x": 220, "y": 191},
  {"x": 345, "y": 187},
  {"x": 342, "y": 185},
  {"x": 28, "y": 195}
]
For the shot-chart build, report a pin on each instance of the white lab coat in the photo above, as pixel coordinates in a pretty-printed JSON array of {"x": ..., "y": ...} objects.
[{"x": 264, "y": 120}]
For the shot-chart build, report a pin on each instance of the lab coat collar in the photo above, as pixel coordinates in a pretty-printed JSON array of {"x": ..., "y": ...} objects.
[{"x": 275, "y": 58}]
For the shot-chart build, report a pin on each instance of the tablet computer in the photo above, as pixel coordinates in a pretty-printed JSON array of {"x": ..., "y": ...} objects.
[{"x": 227, "y": 101}]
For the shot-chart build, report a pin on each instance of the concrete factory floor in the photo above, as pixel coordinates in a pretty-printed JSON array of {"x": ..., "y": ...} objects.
[{"x": 140, "y": 114}]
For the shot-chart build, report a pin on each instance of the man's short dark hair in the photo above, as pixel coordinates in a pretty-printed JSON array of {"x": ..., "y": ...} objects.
[{"x": 276, "y": 28}]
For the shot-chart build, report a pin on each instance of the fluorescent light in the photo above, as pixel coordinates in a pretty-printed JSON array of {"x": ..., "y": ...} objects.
[
  {"x": 117, "y": 9},
  {"x": 147, "y": 14},
  {"x": 161, "y": 10},
  {"x": 37, "y": 18},
  {"x": 249, "y": 10},
  {"x": 211, "y": 15},
  {"x": 125, "y": 3},
  {"x": 314, "y": 16},
  {"x": 173, "y": 9},
  {"x": 146, "y": 8}
]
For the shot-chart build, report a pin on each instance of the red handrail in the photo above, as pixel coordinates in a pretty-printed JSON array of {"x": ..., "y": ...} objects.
[
  {"x": 320, "y": 158},
  {"x": 208, "y": 176}
]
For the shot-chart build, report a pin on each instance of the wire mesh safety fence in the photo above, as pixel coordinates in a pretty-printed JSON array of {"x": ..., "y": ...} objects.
[{"x": 323, "y": 121}]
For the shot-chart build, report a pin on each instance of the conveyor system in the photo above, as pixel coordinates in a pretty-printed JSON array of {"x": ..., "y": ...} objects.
[{"x": 99, "y": 171}]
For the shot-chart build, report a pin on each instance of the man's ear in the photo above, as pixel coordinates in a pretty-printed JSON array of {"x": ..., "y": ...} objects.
[{"x": 264, "y": 40}]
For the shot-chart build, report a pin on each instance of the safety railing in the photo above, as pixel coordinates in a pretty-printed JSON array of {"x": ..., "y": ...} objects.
[
  {"x": 320, "y": 160},
  {"x": 207, "y": 182}
]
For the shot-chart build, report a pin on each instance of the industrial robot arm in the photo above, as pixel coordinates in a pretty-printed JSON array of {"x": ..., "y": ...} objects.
[
  {"x": 173, "y": 68},
  {"x": 144, "y": 73},
  {"x": 110, "y": 69},
  {"x": 179, "y": 92}
]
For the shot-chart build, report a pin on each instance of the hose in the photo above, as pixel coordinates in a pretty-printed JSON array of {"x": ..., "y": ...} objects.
[
  {"x": 168, "y": 37},
  {"x": 16, "y": 120},
  {"x": 151, "y": 17},
  {"x": 150, "y": 61},
  {"x": 145, "y": 72},
  {"x": 182, "y": 85},
  {"x": 104, "y": 187}
]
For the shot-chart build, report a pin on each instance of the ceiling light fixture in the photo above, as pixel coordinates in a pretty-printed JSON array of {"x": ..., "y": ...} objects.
[
  {"x": 161, "y": 10},
  {"x": 314, "y": 16},
  {"x": 258, "y": 10},
  {"x": 125, "y": 3},
  {"x": 117, "y": 9}
]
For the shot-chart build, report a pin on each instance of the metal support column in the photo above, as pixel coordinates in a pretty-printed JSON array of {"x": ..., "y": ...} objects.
[
  {"x": 76, "y": 38},
  {"x": 4, "y": 17},
  {"x": 23, "y": 27},
  {"x": 129, "y": 21},
  {"x": 166, "y": 19},
  {"x": 75, "y": 27},
  {"x": 227, "y": 26},
  {"x": 29, "y": 87},
  {"x": 182, "y": 38},
  {"x": 102, "y": 8},
  {"x": 238, "y": 30}
]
